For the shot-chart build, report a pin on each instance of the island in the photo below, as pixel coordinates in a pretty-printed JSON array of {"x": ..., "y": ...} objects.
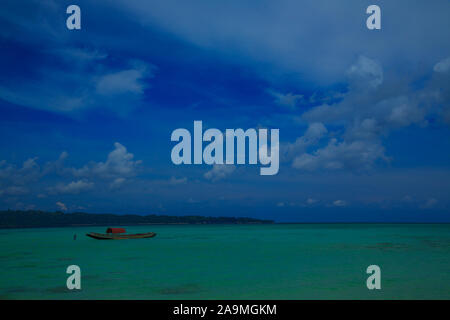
[{"x": 45, "y": 219}]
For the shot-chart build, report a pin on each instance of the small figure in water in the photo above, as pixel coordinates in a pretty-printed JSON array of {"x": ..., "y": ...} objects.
[{"x": 75, "y": 236}]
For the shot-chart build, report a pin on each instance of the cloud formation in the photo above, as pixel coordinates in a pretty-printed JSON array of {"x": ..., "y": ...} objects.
[
  {"x": 61, "y": 206},
  {"x": 29, "y": 178},
  {"x": 369, "y": 111},
  {"x": 85, "y": 80},
  {"x": 288, "y": 100},
  {"x": 442, "y": 66},
  {"x": 365, "y": 74},
  {"x": 119, "y": 164},
  {"x": 219, "y": 172},
  {"x": 315, "y": 132},
  {"x": 339, "y": 203},
  {"x": 356, "y": 156},
  {"x": 347, "y": 101},
  {"x": 130, "y": 81},
  {"x": 11, "y": 175},
  {"x": 74, "y": 187},
  {"x": 281, "y": 37}
]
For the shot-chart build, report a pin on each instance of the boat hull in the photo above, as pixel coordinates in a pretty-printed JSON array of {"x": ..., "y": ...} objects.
[{"x": 104, "y": 236}]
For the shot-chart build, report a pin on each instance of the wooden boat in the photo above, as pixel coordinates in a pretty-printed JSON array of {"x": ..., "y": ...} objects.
[{"x": 119, "y": 234}]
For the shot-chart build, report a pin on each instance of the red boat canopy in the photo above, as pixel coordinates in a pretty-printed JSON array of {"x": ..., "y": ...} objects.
[{"x": 115, "y": 230}]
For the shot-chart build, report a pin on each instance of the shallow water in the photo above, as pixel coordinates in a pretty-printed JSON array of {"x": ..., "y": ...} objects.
[{"x": 309, "y": 261}]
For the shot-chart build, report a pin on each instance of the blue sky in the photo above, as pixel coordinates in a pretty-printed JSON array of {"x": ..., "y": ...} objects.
[{"x": 86, "y": 116}]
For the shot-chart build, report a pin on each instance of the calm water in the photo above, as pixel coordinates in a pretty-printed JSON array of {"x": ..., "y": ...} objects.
[{"x": 229, "y": 262}]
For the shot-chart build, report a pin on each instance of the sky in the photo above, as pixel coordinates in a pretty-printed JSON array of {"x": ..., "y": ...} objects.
[{"x": 86, "y": 115}]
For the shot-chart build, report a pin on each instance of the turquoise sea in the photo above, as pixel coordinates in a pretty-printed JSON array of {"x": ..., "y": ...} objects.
[{"x": 290, "y": 261}]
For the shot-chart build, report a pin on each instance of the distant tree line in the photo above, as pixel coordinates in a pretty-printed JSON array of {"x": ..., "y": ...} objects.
[{"x": 43, "y": 219}]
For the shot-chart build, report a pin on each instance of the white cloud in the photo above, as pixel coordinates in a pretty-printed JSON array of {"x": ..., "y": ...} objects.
[
  {"x": 125, "y": 81},
  {"x": 13, "y": 175},
  {"x": 174, "y": 181},
  {"x": 117, "y": 183},
  {"x": 56, "y": 166},
  {"x": 430, "y": 203},
  {"x": 404, "y": 111},
  {"x": 313, "y": 134},
  {"x": 118, "y": 167},
  {"x": 287, "y": 100},
  {"x": 387, "y": 105},
  {"x": 369, "y": 111},
  {"x": 78, "y": 55},
  {"x": 438, "y": 90},
  {"x": 442, "y": 66},
  {"x": 61, "y": 206},
  {"x": 339, "y": 203},
  {"x": 356, "y": 109},
  {"x": 219, "y": 171},
  {"x": 119, "y": 164},
  {"x": 366, "y": 73},
  {"x": 14, "y": 191},
  {"x": 88, "y": 83},
  {"x": 356, "y": 155},
  {"x": 74, "y": 187},
  {"x": 281, "y": 37}
]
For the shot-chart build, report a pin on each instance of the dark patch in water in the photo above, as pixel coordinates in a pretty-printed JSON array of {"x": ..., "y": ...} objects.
[
  {"x": 430, "y": 241},
  {"x": 436, "y": 243},
  {"x": 133, "y": 258},
  {"x": 388, "y": 246},
  {"x": 14, "y": 255},
  {"x": 26, "y": 266},
  {"x": 15, "y": 293},
  {"x": 183, "y": 289},
  {"x": 377, "y": 246},
  {"x": 13, "y": 290},
  {"x": 64, "y": 259},
  {"x": 60, "y": 289}
]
